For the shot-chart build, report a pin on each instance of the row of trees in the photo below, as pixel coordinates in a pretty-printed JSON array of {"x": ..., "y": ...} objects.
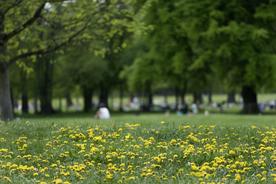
[
  {"x": 193, "y": 43},
  {"x": 182, "y": 46},
  {"x": 34, "y": 34}
]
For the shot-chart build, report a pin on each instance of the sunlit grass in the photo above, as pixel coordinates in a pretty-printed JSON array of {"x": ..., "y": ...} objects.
[{"x": 139, "y": 149}]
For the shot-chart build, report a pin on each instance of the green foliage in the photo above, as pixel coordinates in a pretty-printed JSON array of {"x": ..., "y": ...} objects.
[
  {"x": 239, "y": 36},
  {"x": 79, "y": 67},
  {"x": 195, "y": 46}
]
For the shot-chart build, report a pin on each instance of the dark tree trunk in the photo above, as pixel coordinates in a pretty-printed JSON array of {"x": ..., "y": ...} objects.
[
  {"x": 25, "y": 103},
  {"x": 166, "y": 102},
  {"x": 210, "y": 97},
  {"x": 36, "y": 109},
  {"x": 46, "y": 104},
  {"x": 6, "y": 111},
  {"x": 121, "y": 106},
  {"x": 176, "y": 93},
  {"x": 36, "y": 88},
  {"x": 231, "y": 97},
  {"x": 250, "y": 102},
  {"x": 111, "y": 102},
  {"x": 45, "y": 85},
  {"x": 149, "y": 98},
  {"x": 87, "y": 98},
  {"x": 197, "y": 98},
  {"x": 103, "y": 98},
  {"x": 182, "y": 97},
  {"x": 24, "y": 95},
  {"x": 60, "y": 104},
  {"x": 150, "y": 101},
  {"x": 13, "y": 101},
  {"x": 69, "y": 101}
]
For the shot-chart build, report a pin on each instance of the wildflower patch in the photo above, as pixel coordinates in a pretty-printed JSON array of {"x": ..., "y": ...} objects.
[{"x": 135, "y": 154}]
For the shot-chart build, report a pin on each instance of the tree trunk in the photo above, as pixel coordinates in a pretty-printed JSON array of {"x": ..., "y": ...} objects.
[
  {"x": 197, "y": 98},
  {"x": 103, "y": 98},
  {"x": 182, "y": 97},
  {"x": 24, "y": 95},
  {"x": 46, "y": 104},
  {"x": 6, "y": 112},
  {"x": 231, "y": 97},
  {"x": 45, "y": 85},
  {"x": 87, "y": 98},
  {"x": 250, "y": 102},
  {"x": 69, "y": 101},
  {"x": 176, "y": 92},
  {"x": 36, "y": 109},
  {"x": 149, "y": 98},
  {"x": 36, "y": 88},
  {"x": 210, "y": 97},
  {"x": 13, "y": 101},
  {"x": 60, "y": 104},
  {"x": 121, "y": 106},
  {"x": 166, "y": 102},
  {"x": 25, "y": 103}
]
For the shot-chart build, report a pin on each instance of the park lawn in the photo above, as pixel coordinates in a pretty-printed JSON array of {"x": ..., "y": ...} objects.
[
  {"x": 151, "y": 148},
  {"x": 149, "y": 119}
]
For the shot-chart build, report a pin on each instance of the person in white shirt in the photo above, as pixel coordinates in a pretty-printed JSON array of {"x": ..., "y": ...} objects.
[
  {"x": 135, "y": 104},
  {"x": 194, "y": 108},
  {"x": 103, "y": 112}
]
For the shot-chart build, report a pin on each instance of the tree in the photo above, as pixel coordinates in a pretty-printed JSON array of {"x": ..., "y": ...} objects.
[
  {"x": 15, "y": 28},
  {"x": 239, "y": 37},
  {"x": 44, "y": 70},
  {"x": 174, "y": 54},
  {"x": 116, "y": 28},
  {"x": 79, "y": 66}
]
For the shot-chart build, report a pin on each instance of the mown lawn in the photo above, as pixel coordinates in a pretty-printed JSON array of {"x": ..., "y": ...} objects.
[{"x": 139, "y": 149}]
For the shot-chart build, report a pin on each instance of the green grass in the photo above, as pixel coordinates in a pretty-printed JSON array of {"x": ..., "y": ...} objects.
[
  {"x": 80, "y": 119},
  {"x": 158, "y": 148}
]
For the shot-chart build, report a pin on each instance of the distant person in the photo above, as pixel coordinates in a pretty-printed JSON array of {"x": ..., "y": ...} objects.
[
  {"x": 135, "y": 104},
  {"x": 194, "y": 108},
  {"x": 261, "y": 107},
  {"x": 103, "y": 112},
  {"x": 179, "y": 112},
  {"x": 272, "y": 104},
  {"x": 220, "y": 106},
  {"x": 182, "y": 109},
  {"x": 165, "y": 107},
  {"x": 185, "y": 108},
  {"x": 167, "y": 113}
]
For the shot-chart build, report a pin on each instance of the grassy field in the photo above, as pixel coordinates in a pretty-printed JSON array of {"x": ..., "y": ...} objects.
[{"x": 151, "y": 148}]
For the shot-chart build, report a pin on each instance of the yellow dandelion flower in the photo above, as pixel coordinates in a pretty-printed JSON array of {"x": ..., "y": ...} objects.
[
  {"x": 57, "y": 181},
  {"x": 238, "y": 177},
  {"x": 232, "y": 152}
]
